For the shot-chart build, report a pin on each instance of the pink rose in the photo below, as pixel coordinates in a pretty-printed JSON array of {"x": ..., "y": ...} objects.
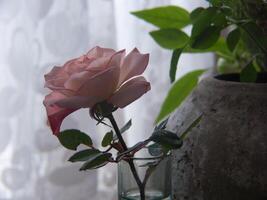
[{"x": 100, "y": 75}]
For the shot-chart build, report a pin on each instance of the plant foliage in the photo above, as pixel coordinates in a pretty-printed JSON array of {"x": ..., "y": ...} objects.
[{"x": 234, "y": 30}]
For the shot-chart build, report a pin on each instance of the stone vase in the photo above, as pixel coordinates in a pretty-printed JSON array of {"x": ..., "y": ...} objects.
[{"x": 225, "y": 156}]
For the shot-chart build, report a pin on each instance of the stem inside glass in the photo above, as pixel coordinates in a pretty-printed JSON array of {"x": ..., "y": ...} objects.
[{"x": 154, "y": 172}]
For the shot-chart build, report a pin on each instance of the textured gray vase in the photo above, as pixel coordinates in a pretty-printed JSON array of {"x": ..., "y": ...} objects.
[{"x": 225, "y": 156}]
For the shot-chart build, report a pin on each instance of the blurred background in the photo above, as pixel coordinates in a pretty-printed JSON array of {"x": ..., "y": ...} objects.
[{"x": 35, "y": 35}]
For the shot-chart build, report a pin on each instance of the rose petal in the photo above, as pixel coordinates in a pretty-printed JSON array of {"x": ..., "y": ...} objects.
[
  {"x": 116, "y": 59},
  {"x": 102, "y": 85},
  {"x": 77, "y": 80},
  {"x": 55, "y": 78},
  {"x": 105, "y": 58},
  {"x": 97, "y": 52},
  {"x": 56, "y": 72},
  {"x": 134, "y": 64},
  {"x": 76, "y": 65},
  {"x": 98, "y": 64},
  {"x": 130, "y": 91},
  {"x": 76, "y": 102},
  {"x": 55, "y": 113},
  {"x": 55, "y": 83}
]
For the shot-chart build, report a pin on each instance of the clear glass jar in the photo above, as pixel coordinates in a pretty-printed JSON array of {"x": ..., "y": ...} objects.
[{"x": 158, "y": 184}]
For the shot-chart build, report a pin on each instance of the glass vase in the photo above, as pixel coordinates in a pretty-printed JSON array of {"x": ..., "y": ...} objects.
[{"x": 158, "y": 184}]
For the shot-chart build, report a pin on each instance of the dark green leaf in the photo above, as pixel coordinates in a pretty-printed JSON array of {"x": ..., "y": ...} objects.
[
  {"x": 195, "y": 123},
  {"x": 249, "y": 73},
  {"x": 84, "y": 155},
  {"x": 206, "y": 39},
  {"x": 165, "y": 17},
  {"x": 155, "y": 149},
  {"x": 220, "y": 48},
  {"x": 174, "y": 61},
  {"x": 72, "y": 138},
  {"x": 232, "y": 39},
  {"x": 228, "y": 11},
  {"x": 178, "y": 92},
  {"x": 167, "y": 139},
  {"x": 99, "y": 160},
  {"x": 170, "y": 38},
  {"x": 219, "y": 20},
  {"x": 162, "y": 125},
  {"x": 256, "y": 34},
  {"x": 204, "y": 21},
  {"x": 124, "y": 129},
  {"x": 216, "y": 2},
  {"x": 194, "y": 15},
  {"x": 107, "y": 139},
  {"x": 207, "y": 27},
  {"x": 126, "y": 126}
]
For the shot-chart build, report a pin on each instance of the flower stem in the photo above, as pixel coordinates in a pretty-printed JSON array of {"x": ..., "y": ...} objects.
[{"x": 130, "y": 161}]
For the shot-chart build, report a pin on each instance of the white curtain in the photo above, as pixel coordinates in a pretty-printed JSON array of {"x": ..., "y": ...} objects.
[{"x": 35, "y": 35}]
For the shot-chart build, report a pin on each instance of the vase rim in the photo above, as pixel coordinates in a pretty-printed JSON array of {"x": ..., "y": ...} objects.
[
  {"x": 213, "y": 84},
  {"x": 235, "y": 79}
]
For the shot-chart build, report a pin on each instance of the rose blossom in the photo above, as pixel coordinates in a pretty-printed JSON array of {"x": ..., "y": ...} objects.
[{"x": 100, "y": 75}]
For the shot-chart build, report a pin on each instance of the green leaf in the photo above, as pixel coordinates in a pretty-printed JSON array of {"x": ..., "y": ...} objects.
[
  {"x": 155, "y": 149},
  {"x": 124, "y": 129},
  {"x": 126, "y": 126},
  {"x": 170, "y": 38},
  {"x": 206, "y": 39},
  {"x": 72, "y": 138},
  {"x": 194, "y": 15},
  {"x": 107, "y": 139},
  {"x": 256, "y": 34},
  {"x": 257, "y": 67},
  {"x": 233, "y": 38},
  {"x": 84, "y": 155},
  {"x": 195, "y": 123},
  {"x": 219, "y": 48},
  {"x": 162, "y": 125},
  {"x": 216, "y": 2},
  {"x": 219, "y": 20},
  {"x": 178, "y": 92},
  {"x": 165, "y": 17},
  {"x": 174, "y": 61},
  {"x": 166, "y": 139},
  {"x": 204, "y": 21},
  {"x": 207, "y": 27},
  {"x": 249, "y": 73},
  {"x": 99, "y": 160}
]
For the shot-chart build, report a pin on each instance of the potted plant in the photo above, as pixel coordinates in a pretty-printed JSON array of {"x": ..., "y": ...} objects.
[{"x": 225, "y": 156}]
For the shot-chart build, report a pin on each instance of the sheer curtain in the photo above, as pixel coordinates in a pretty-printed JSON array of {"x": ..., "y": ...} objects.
[{"x": 36, "y": 35}]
